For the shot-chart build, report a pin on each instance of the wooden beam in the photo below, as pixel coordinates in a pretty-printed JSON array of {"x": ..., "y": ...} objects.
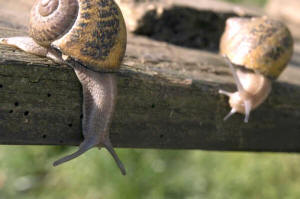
[{"x": 168, "y": 98}]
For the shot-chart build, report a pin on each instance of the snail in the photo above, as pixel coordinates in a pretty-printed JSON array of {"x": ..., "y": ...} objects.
[
  {"x": 260, "y": 48},
  {"x": 90, "y": 36}
]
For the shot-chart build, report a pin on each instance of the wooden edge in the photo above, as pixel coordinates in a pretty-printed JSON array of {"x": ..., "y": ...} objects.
[{"x": 168, "y": 98}]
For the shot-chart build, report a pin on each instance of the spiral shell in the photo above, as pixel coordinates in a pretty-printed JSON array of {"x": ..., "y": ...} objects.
[
  {"x": 50, "y": 19},
  {"x": 260, "y": 44},
  {"x": 92, "y": 32}
]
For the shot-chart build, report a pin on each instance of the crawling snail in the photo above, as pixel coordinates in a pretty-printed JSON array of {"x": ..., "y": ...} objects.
[
  {"x": 90, "y": 36},
  {"x": 260, "y": 48}
]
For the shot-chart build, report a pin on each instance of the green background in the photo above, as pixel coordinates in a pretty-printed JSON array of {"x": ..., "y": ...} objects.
[
  {"x": 249, "y": 2},
  {"x": 27, "y": 172}
]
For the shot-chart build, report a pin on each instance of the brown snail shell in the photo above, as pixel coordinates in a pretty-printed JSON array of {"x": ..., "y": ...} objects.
[
  {"x": 260, "y": 44},
  {"x": 89, "y": 36},
  {"x": 263, "y": 47},
  {"x": 48, "y": 22},
  {"x": 91, "y": 32}
]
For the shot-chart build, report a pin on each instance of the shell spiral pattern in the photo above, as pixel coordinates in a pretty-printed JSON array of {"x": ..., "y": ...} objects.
[
  {"x": 92, "y": 32},
  {"x": 50, "y": 19},
  {"x": 259, "y": 44}
]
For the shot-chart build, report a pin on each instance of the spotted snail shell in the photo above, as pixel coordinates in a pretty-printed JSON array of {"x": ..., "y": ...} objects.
[
  {"x": 260, "y": 44},
  {"x": 91, "y": 32}
]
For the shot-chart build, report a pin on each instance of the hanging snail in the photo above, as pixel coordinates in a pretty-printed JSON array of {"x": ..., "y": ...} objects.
[
  {"x": 260, "y": 48},
  {"x": 90, "y": 36}
]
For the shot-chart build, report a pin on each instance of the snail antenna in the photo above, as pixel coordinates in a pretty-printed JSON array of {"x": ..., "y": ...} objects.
[
  {"x": 236, "y": 78},
  {"x": 84, "y": 146},
  {"x": 107, "y": 144}
]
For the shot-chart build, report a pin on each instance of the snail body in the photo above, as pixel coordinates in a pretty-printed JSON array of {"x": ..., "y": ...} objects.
[
  {"x": 260, "y": 48},
  {"x": 90, "y": 36}
]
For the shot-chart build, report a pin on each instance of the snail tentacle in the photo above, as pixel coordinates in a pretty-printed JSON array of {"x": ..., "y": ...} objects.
[
  {"x": 107, "y": 144},
  {"x": 89, "y": 36},
  {"x": 83, "y": 147},
  {"x": 223, "y": 92},
  {"x": 261, "y": 48},
  {"x": 232, "y": 112},
  {"x": 99, "y": 98},
  {"x": 247, "y": 104},
  {"x": 235, "y": 76},
  {"x": 241, "y": 100}
]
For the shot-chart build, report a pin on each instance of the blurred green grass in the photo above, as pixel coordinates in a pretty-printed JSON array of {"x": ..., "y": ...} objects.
[
  {"x": 27, "y": 172},
  {"x": 249, "y": 2}
]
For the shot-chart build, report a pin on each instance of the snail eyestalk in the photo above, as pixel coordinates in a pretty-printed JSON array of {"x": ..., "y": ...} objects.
[
  {"x": 261, "y": 47},
  {"x": 58, "y": 30},
  {"x": 99, "y": 98},
  {"x": 252, "y": 90}
]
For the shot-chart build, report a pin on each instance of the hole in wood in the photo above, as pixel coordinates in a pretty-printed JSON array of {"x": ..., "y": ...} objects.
[
  {"x": 26, "y": 113},
  {"x": 1, "y": 86},
  {"x": 44, "y": 136},
  {"x": 11, "y": 111},
  {"x": 70, "y": 125},
  {"x": 81, "y": 116},
  {"x": 61, "y": 141},
  {"x": 153, "y": 106},
  {"x": 170, "y": 26},
  {"x": 16, "y": 103},
  {"x": 49, "y": 94}
]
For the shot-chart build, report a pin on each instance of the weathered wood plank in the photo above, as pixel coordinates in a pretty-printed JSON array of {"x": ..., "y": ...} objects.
[{"x": 168, "y": 98}]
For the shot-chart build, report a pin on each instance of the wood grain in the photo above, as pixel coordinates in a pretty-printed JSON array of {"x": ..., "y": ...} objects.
[{"x": 168, "y": 98}]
